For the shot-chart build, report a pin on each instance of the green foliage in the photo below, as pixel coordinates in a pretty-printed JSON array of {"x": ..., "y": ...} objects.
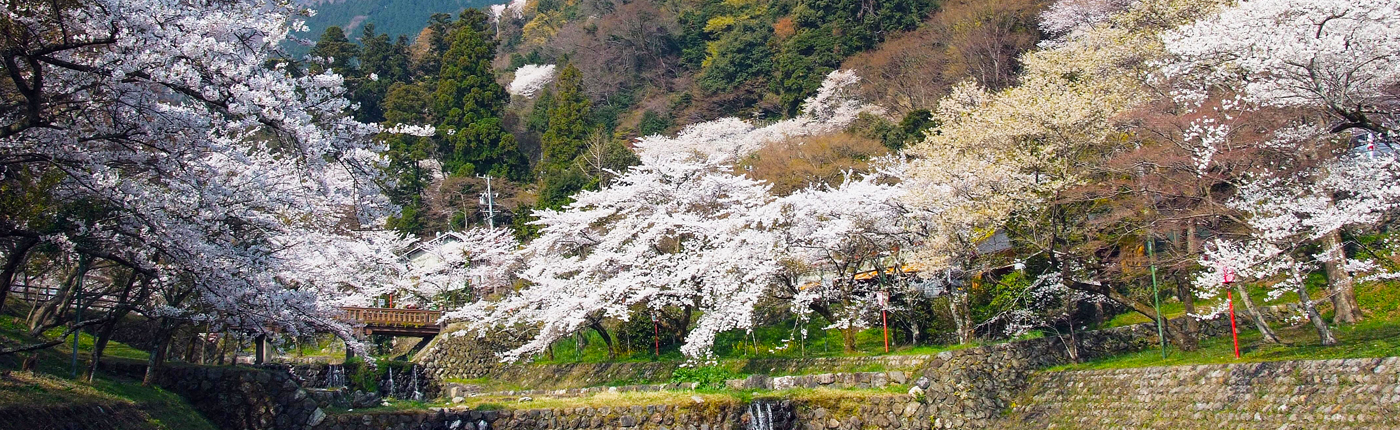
[
  {"x": 468, "y": 104},
  {"x": 739, "y": 56},
  {"x": 708, "y": 377},
  {"x": 895, "y": 137},
  {"x": 538, "y": 118},
  {"x": 558, "y": 187},
  {"x": 382, "y": 64},
  {"x": 334, "y": 47},
  {"x": 653, "y": 123},
  {"x": 520, "y": 226},
  {"x": 804, "y": 61},
  {"x": 992, "y": 298},
  {"x": 407, "y": 104},
  {"x": 569, "y": 125},
  {"x": 915, "y": 125}
]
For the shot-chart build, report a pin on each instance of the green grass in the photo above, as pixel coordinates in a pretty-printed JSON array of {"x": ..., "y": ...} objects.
[
  {"x": 50, "y": 383},
  {"x": 774, "y": 341},
  {"x": 1376, "y": 336},
  {"x": 1173, "y": 308},
  {"x": 1371, "y": 338}
]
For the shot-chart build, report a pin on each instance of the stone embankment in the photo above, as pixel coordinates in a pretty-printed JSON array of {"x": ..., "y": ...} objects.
[
  {"x": 1332, "y": 394},
  {"x": 858, "y": 380},
  {"x": 885, "y": 412}
]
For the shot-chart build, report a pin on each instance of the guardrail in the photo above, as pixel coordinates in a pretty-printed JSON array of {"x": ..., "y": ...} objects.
[
  {"x": 39, "y": 294},
  {"x": 387, "y": 317}
]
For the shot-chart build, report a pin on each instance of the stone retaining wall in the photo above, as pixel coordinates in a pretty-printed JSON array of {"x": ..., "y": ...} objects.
[
  {"x": 878, "y": 412},
  {"x": 700, "y": 416},
  {"x": 970, "y": 388},
  {"x": 1334, "y": 394}
]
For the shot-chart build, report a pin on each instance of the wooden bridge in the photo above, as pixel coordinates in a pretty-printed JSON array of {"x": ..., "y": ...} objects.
[{"x": 396, "y": 322}]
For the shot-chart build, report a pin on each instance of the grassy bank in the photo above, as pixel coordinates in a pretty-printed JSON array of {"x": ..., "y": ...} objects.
[
  {"x": 50, "y": 385},
  {"x": 1377, "y": 336}
]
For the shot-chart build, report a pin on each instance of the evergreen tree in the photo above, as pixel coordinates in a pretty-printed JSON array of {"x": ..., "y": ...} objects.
[
  {"x": 538, "y": 118},
  {"x": 382, "y": 64},
  {"x": 468, "y": 104},
  {"x": 569, "y": 115},
  {"x": 407, "y": 104},
  {"x": 338, "y": 50},
  {"x": 437, "y": 32}
]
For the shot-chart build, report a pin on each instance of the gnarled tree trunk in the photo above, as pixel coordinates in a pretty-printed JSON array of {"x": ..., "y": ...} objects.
[{"x": 13, "y": 262}]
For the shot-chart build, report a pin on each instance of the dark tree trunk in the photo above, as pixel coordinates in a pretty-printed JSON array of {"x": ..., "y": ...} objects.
[
  {"x": 157, "y": 358},
  {"x": 1323, "y": 333},
  {"x": 1189, "y": 335},
  {"x": 607, "y": 339},
  {"x": 46, "y": 316},
  {"x": 12, "y": 264}
]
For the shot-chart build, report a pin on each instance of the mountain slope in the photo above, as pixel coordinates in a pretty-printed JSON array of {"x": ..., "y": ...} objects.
[{"x": 394, "y": 17}]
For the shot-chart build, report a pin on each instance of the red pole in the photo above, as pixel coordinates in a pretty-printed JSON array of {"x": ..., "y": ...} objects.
[
  {"x": 1234, "y": 331},
  {"x": 656, "y": 336},
  {"x": 885, "y": 319}
]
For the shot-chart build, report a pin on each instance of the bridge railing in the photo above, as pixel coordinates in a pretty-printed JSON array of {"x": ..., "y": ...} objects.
[{"x": 393, "y": 317}]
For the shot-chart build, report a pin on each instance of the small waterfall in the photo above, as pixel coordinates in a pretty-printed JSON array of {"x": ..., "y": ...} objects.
[
  {"x": 417, "y": 394},
  {"x": 770, "y": 415},
  {"x": 760, "y": 416},
  {"x": 391, "y": 392}
]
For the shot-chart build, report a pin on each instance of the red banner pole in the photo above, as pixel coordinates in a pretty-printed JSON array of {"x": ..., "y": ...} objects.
[
  {"x": 886, "y": 320},
  {"x": 1234, "y": 331}
]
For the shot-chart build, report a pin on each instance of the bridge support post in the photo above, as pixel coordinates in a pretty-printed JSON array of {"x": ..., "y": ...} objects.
[
  {"x": 260, "y": 349},
  {"x": 349, "y": 353}
]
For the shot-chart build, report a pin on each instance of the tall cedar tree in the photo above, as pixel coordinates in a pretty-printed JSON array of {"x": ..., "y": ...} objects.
[
  {"x": 564, "y": 140},
  {"x": 338, "y": 50},
  {"x": 382, "y": 64},
  {"x": 468, "y": 103},
  {"x": 568, "y": 122},
  {"x": 407, "y": 104}
]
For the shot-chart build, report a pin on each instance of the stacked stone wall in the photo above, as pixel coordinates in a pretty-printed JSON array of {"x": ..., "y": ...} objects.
[
  {"x": 1333, "y": 394},
  {"x": 880, "y": 412},
  {"x": 971, "y": 388}
]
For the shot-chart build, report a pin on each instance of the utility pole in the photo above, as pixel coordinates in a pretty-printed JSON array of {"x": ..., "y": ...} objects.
[
  {"x": 1156, "y": 298},
  {"x": 489, "y": 199}
]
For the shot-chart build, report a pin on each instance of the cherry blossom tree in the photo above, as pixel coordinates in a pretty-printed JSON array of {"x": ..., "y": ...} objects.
[
  {"x": 1015, "y": 162},
  {"x": 530, "y": 79},
  {"x": 219, "y": 177},
  {"x": 676, "y": 231},
  {"x": 482, "y": 260},
  {"x": 1341, "y": 56},
  {"x": 833, "y": 238},
  {"x": 1065, "y": 16},
  {"x": 1338, "y": 58},
  {"x": 833, "y": 108}
]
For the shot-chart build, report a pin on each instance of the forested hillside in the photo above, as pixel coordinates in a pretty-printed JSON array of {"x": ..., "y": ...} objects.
[
  {"x": 393, "y": 17},
  {"x": 602, "y": 73}
]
